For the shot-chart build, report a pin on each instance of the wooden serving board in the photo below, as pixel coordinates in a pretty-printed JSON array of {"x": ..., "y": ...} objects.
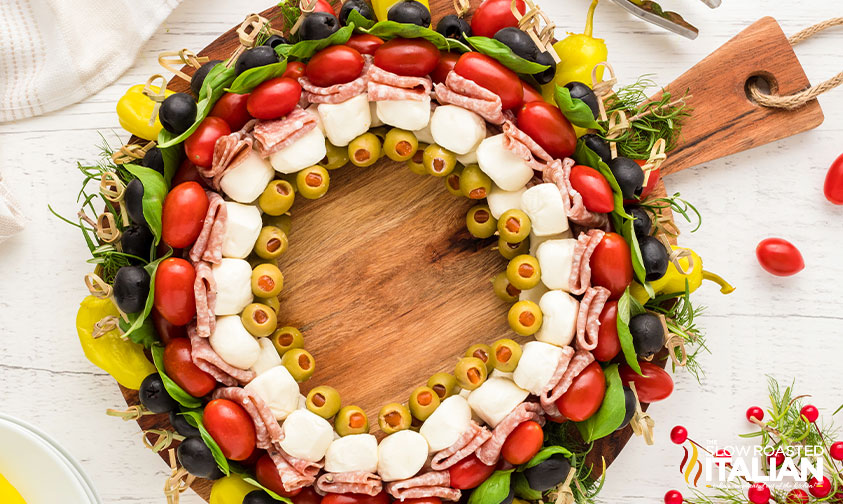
[{"x": 387, "y": 285}]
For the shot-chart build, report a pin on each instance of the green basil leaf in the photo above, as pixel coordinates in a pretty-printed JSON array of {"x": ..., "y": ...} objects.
[
  {"x": 251, "y": 78},
  {"x": 505, "y": 56},
  {"x": 391, "y": 29},
  {"x": 304, "y": 49},
  {"x": 625, "y": 312},
  {"x": 176, "y": 392},
  {"x": 627, "y": 230},
  {"x": 585, "y": 156},
  {"x": 611, "y": 413},
  {"x": 547, "y": 452},
  {"x": 522, "y": 489},
  {"x": 172, "y": 159},
  {"x": 194, "y": 418},
  {"x": 139, "y": 329},
  {"x": 492, "y": 491},
  {"x": 574, "y": 109},
  {"x": 248, "y": 479},
  {"x": 354, "y": 17},
  {"x": 154, "y": 192}
]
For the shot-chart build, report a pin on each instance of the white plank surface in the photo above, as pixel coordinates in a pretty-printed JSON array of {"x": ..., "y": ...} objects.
[{"x": 784, "y": 327}]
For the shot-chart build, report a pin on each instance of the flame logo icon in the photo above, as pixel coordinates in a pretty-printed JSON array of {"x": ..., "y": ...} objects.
[{"x": 688, "y": 464}]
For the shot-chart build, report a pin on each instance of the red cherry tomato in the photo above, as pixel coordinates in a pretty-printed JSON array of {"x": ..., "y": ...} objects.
[
  {"x": 653, "y": 384},
  {"x": 180, "y": 367},
  {"x": 779, "y": 257},
  {"x": 492, "y": 15},
  {"x": 585, "y": 395},
  {"x": 530, "y": 93},
  {"x": 166, "y": 330},
  {"x": 490, "y": 74},
  {"x": 231, "y": 427},
  {"x": 611, "y": 265},
  {"x": 334, "y": 65},
  {"x": 295, "y": 69},
  {"x": 447, "y": 62},
  {"x": 411, "y": 57},
  {"x": 174, "y": 296},
  {"x": 187, "y": 172},
  {"x": 608, "y": 343},
  {"x": 833, "y": 187},
  {"x": 522, "y": 443},
  {"x": 548, "y": 127},
  {"x": 324, "y": 6},
  {"x": 469, "y": 473},
  {"x": 274, "y": 98},
  {"x": 199, "y": 146},
  {"x": 183, "y": 214},
  {"x": 231, "y": 108},
  {"x": 267, "y": 475},
  {"x": 307, "y": 495},
  {"x": 596, "y": 192},
  {"x": 352, "y": 498},
  {"x": 365, "y": 43}
]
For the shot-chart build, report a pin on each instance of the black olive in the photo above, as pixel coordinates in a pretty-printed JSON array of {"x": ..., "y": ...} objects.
[
  {"x": 411, "y": 12},
  {"x": 318, "y": 25},
  {"x": 584, "y": 93},
  {"x": 520, "y": 43},
  {"x": 549, "y": 473},
  {"x": 655, "y": 257},
  {"x": 154, "y": 396},
  {"x": 545, "y": 58},
  {"x": 629, "y": 404},
  {"x": 599, "y": 146},
  {"x": 361, "y": 6},
  {"x": 182, "y": 427},
  {"x": 199, "y": 76},
  {"x": 177, "y": 113},
  {"x": 454, "y": 27},
  {"x": 153, "y": 159},
  {"x": 255, "y": 57},
  {"x": 137, "y": 241},
  {"x": 258, "y": 497},
  {"x": 195, "y": 456},
  {"x": 647, "y": 334},
  {"x": 131, "y": 288},
  {"x": 642, "y": 224},
  {"x": 629, "y": 175},
  {"x": 133, "y": 198},
  {"x": 276, "y": 40}
]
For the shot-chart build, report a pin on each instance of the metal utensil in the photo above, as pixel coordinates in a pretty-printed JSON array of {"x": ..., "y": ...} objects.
[{"x": 653, "y": 13}]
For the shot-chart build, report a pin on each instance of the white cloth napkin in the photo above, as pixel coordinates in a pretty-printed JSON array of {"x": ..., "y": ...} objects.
[
  {"x": 11, "y": 217},
  {"x": 57, "y": 52}
]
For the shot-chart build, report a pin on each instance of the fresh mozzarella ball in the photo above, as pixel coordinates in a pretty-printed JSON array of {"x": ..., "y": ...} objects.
[
  {"x": 424, "y": 135},
  {"x": 278, "y": 389},
  {"x": 535, "y": 294},
  {"x": 495, "y": 399},
  {"x": 268, "y": 357},
  {"x": 314, "y": 109},
  {"x": 555, "y": 260},
  {"x": 306, "y": 435},
  {"x": 405, "y": 114},
  {"x": 234, "y": 286},
  {"x": 467, "y": 159},
  {"x": 302, "y": 402},
  {"x": 357, "y": 452},
  {"x": 401, "y": 455},
  {"x": 304, "y": 152},
  {"x": 543, "y": 204},
  {"x": 505, "y": 169},
  {"x": 536, "y": 367},
  {"x": 457, "y": 129},
  {"x": 347, "y": 120},
  {"x": 246, "y": 181},
  {"x": 242, "y": 227},
  {"x": 447, "y": 423},
  {"x": 500, "y": 201},
  {"x": 373, "y": 112},
  {"x": 559, "y": 318},
  {"x": 536, "y": 240},
  {"x": 233, "y": 342}
]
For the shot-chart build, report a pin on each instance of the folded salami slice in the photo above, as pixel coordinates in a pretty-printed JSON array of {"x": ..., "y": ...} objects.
[
  {"x": 205, "y": 294},
  {"x": 580, "y": 279},
  {"x": 209, "y": 361},
  {"x": 575, "y": 366},
  {"x": 267, "y": 430},
  {"x": 337, "y": 93},
  {"x": 385, "y": 86},
  {"x": 468, "y": 443},
  {"x": 229, "y": 151},
  {"x": 208, "y": 246},
  {"x": 430, "y": 484},
  {"x": 559, "y": 173},
  {"x": 278, "y": 134},
  {"x": 490, "y": 452},
  {"x": 306, "y": 467},
  {"x": 359, "y": 482},
  {"x": 588, "y": 318},
  {"x": 291, "y": 479},
  {"x": 523, "y": 146},
  {"x": 465, "y": 93}
]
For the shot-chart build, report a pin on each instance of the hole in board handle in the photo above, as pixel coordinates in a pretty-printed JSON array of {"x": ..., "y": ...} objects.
[{"x": 764, "y": 81}]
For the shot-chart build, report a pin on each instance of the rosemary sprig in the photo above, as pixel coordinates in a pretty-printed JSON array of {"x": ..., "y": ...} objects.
[
  {"x": 680, "y": 315},
  {"x": 290, "y": 12},
  {"x": 677, "y": 204},
  {"x": 584, "y": 486}
]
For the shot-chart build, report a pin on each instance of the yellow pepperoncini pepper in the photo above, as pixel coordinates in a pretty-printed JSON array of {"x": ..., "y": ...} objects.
[
  {"x": 134, "y": 110},
  {"x": 579, "y": 53},
  {"x": 230, "y": 489},
  {"x": 382, "y": 7},
  {"x": 122, "y": 359},
  {"x": 674, "y": 281}
]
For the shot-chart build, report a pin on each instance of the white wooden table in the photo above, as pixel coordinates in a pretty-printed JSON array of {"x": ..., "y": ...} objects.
[{"x": 789, "y": 328}]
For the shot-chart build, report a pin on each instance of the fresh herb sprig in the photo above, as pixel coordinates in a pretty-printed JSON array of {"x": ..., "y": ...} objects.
[
  {"x": 585, "y": 486},
  {"x": 676, "y": 204},
  {"x": 680, "y": 316},
  {"x": 290, "y": 12}
]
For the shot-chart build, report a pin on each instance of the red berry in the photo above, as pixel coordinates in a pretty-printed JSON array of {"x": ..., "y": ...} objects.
[
  {"x": 797, "y": 496},
  {"x": 678, "y": 434},
  {"x": 810, "y": 413},
  {"x": 777, "y": 458},
  {"x": 819, "y": 489},
  {"x": 673, "y": 497},
  {"x": 836, "y": 450},
  {"x": 759, "y": 493},
  {"x": 754, "y": 412},
  {"x": 723, "y": 453}
]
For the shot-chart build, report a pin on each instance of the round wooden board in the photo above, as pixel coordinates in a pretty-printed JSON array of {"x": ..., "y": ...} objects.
[{"x": 385, "y": 282}]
